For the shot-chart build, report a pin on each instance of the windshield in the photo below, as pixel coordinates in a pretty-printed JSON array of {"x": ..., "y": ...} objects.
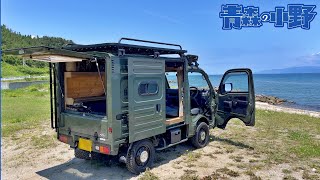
[{"x": 196, "y": 79}]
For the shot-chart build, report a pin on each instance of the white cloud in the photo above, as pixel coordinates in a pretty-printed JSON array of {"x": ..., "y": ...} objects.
[{"x": 310, "y": 60}]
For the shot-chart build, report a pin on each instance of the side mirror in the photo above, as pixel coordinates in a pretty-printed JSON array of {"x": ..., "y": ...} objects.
[{"x": 227, "y": 87}]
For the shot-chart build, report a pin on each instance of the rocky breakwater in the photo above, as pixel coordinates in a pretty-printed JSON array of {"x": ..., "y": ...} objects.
[{"x": 271, "y": 100}]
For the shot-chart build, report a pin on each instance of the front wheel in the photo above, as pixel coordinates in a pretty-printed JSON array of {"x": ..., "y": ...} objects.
[
  {"x": 201, "y": 138},
  {"x": 140, "y": 156}
]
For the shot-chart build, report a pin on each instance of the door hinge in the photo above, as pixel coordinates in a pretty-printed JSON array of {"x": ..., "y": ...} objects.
[{"x": 122, "y": 117}]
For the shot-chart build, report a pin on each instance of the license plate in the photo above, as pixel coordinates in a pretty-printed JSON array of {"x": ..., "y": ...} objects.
[{"x": 85, "y": 144}]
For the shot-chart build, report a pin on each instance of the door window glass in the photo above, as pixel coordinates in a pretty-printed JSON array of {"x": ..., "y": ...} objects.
[
  {"x": 237, "y": 81},
  {"x": 172, "y": 80},
  {"x": 197, "y": 80},
  {"x": 148, "y": 88}
]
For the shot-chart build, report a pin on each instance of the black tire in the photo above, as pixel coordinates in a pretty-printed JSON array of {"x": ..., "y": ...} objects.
[
  {"x": 201, "y": 138},
  {"x": 137, "y": 160},
  {"x": 81, "y": 154}
]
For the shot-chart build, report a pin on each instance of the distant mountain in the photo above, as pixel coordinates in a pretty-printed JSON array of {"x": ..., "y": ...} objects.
[{"x": 302, "y": 69}]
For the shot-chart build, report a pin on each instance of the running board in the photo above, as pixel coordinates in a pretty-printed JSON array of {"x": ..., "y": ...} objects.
[{"x": 170, "y": 145}]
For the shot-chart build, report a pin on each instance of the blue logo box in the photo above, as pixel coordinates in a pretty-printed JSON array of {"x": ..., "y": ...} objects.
[{"x": 237, "y": 16}]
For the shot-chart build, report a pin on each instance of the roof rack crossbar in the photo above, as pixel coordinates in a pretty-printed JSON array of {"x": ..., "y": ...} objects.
[{"x": 152, "y": 42}]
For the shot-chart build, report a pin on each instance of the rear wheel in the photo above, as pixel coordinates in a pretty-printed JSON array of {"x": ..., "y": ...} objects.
[
  {"x": 201, "y": 138},
  {"x": 140, "y": 156}
]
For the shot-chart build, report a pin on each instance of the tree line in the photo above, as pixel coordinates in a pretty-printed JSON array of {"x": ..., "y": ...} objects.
[{"x": 12, "y": 39}]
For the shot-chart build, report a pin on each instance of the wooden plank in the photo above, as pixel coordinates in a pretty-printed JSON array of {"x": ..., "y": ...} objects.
[
  {"x": 174, "y": 120},
  {"x": 83, "y": 85},
  {"x": 54, "y": 58},
  {"x": 180, "y": 87}
]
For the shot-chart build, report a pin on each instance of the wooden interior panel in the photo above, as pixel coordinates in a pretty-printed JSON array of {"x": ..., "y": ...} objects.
[
  {"x": 82, "y": 85},
  {"x": 174, "y": 120},
  {"x": 180, "y": 87}
]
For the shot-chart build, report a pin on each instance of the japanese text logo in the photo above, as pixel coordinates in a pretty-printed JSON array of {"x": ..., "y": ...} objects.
[{"x": 236, "y": 16}]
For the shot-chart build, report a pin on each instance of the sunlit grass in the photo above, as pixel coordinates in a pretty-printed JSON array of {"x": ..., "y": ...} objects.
[
  {"x": 24, "y": 108},
  {"x": 282, "y": 137}
]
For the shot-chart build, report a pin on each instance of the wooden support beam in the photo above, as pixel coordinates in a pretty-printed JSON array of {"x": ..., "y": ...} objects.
[{"x": 180, "y": 87}]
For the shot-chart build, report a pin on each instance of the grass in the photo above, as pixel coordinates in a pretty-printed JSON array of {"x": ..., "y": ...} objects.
[
  {"x": 8, "y": 70},
  {"x": 189, "y": 175},
  {"x": 306, "y": 145},
  {"x": 236, "y": 158},
  {"x": 252, "y": 175},
  {"x": 192, "y": 156},
  {"x": 24, "y": 108},
  {"x": 282, "y": 137},
  {"x": 229, "y": 172},
  {"x": 43, "y": 141},
  {"x": 286, "y": 171},
  {"x": 288, "y": 177},
  {"x": 148, "y": 175}
]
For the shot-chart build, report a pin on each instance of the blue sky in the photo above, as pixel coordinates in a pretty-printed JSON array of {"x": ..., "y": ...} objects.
[{"x": 193, "y": 24}]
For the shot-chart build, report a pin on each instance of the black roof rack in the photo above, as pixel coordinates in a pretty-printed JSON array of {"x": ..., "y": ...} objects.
[{"x": 114, "y": 48}]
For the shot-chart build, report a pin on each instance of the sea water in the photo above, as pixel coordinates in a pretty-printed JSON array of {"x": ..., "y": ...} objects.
[{"x": 302, "y": 89}]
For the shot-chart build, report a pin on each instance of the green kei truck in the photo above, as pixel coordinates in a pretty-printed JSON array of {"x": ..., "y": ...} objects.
[{"x": 128, "y": 100}]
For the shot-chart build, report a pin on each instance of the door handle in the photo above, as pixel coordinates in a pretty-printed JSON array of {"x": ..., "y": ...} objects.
[
  {"x": 241, "y": 102},
  {"x": 158, "y": 107},
  {"x": 227, "y": 104}
]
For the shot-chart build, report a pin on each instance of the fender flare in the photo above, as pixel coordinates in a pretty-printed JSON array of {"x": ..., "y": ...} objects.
[{"x": 200, "y": 118}]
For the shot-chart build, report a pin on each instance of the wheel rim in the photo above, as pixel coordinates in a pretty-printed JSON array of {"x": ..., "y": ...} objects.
[
  {"x": 142, "y": 156},
  {"x": 202, "y": 136}
]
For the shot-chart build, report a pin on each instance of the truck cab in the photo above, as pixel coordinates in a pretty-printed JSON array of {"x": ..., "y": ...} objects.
[{"x": 129, "y": 101}]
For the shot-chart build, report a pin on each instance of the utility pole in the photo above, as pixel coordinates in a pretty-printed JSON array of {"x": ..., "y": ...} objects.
[{"x": 23, "y": 61}]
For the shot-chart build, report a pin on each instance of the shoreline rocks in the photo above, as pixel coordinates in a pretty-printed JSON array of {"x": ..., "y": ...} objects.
[{"x": 271, "y": 99}]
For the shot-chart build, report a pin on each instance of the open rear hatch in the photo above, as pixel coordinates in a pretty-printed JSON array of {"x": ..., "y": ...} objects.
[
  {"x": 49, "y": 54},
  {"x": 82, "y": 86}
]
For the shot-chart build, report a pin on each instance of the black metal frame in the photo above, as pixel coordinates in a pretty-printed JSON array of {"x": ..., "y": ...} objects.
[
  {"x": 53, "y": 99},
  {"x": 114, "y": 48},
  {"x": 152, "y": 42}
]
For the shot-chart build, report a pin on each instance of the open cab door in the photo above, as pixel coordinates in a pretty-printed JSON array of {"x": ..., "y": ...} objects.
[{"x": 235, "y": 98}]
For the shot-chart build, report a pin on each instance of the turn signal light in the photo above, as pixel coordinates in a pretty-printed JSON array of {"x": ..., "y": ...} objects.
[
  {"x": 110, "y": 130},
  {"x": 104, "y": 150},
  {"x": 63, "y": 138}
]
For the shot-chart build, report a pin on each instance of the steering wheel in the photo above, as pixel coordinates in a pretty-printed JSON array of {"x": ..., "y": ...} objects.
[{"x": 194, "y": 92}]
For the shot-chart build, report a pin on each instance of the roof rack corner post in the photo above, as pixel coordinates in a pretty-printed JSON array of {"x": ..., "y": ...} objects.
[{"x": 121, "y": 52}]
